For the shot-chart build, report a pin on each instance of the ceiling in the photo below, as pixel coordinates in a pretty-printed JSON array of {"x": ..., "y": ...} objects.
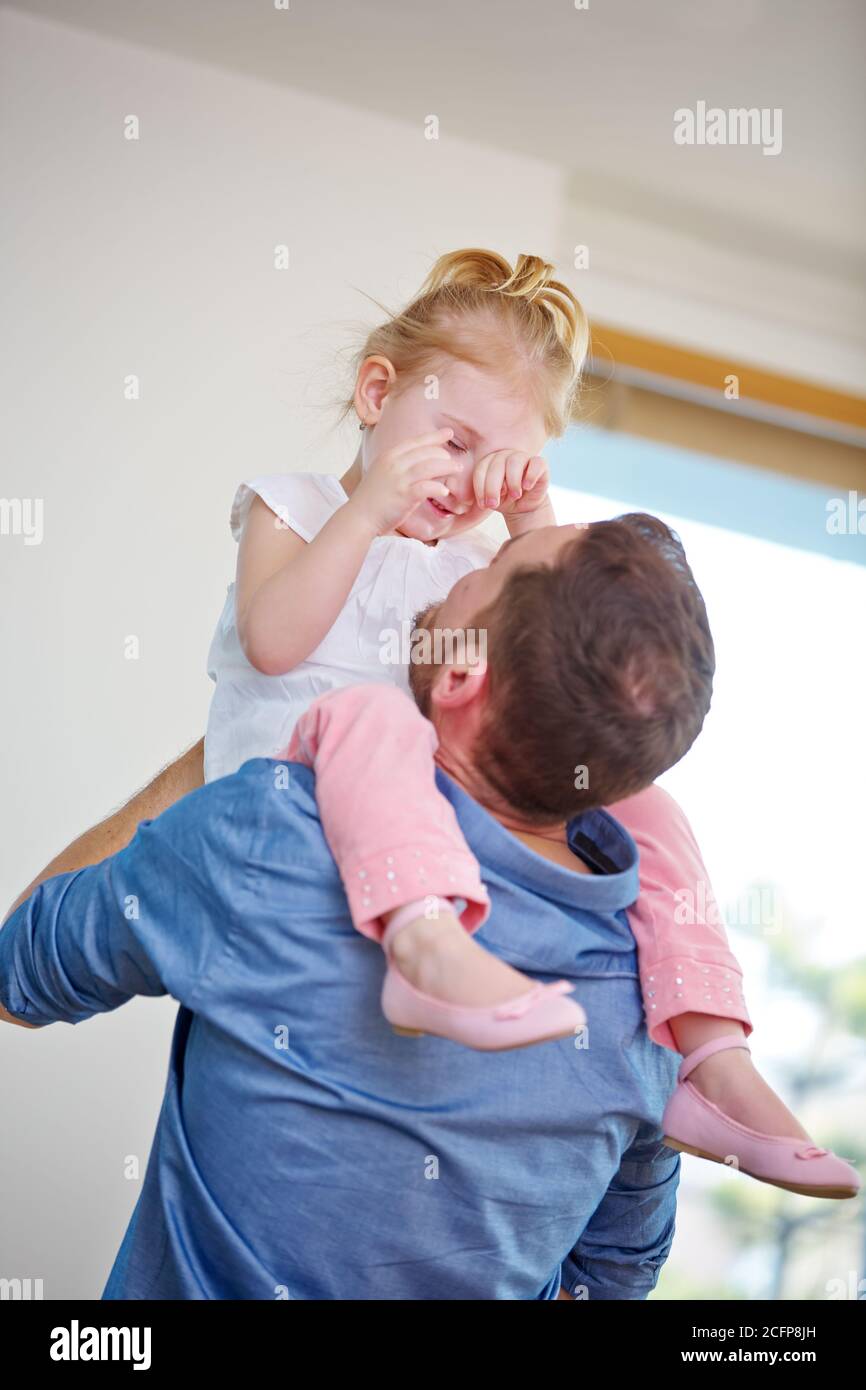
[{"x": 593, "y": 91}]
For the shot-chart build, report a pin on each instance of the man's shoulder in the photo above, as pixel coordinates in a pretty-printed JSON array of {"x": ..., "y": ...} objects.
[
  {"x": 263, "y": 792},
  {"x": 256, "y": 831},
  {"x": 269, "y": 788}
]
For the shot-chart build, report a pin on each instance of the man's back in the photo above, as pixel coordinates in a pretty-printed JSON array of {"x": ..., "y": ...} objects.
[{"x": 306, "y": 1151}]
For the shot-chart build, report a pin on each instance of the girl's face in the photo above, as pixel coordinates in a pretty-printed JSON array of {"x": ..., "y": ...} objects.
[{"x": 484, "y": 414}]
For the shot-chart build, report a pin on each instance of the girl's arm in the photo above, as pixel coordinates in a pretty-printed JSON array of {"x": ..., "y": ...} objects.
[
  {"x": 290, "y": 591},
  {"x": 531, "y": 521},
  {"x": 394, "y": 836}
]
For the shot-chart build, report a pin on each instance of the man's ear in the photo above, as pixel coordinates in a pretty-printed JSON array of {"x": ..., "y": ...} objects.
[{"x": 457, "y": 686}]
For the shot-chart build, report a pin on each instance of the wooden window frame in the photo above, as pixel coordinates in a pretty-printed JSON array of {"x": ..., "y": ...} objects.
[{"x": 677, "y": 396}]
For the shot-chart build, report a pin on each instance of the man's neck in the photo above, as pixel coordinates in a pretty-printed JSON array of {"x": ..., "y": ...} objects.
[{"x": 551, "y": 842}]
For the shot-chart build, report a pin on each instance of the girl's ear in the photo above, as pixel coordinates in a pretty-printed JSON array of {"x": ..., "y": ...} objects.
[
  {"x": 376, "y": 376},
  {"x": 457, "y": 686}
]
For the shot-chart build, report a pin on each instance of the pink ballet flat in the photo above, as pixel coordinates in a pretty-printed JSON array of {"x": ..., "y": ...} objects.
[
  {"x": 693, "y": 1125},
  {"x": 542, "y": 1014}
]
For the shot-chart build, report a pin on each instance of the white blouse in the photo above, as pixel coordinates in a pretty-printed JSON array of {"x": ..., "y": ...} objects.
[{"x": 253, "y": 715}]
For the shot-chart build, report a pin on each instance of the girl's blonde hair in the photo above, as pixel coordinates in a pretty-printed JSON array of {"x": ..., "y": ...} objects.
[{"x": 475, "y": 307}]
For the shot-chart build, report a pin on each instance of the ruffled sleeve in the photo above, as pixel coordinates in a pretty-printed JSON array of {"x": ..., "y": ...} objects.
[{"x": 302, "y": 502}]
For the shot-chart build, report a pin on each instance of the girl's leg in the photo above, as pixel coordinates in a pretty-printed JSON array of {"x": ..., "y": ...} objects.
[
  {"x": 439, "y": 957},
  {"x": 685, "y": 959},
  {"x": 730, "y": 1080}
]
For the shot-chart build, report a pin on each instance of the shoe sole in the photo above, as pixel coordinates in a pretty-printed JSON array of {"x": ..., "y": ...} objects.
[
  {"x": 508, "y": 1047},
  {"x": 838, "y": 1194}
]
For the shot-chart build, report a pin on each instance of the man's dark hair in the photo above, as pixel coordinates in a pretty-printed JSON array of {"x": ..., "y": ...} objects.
[{"x": 603, "y": 660}]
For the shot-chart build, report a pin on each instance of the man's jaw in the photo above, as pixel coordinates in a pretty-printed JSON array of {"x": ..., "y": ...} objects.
[
  {"x": 460, "y": 754},
  {"x": 455, "y": 753}
]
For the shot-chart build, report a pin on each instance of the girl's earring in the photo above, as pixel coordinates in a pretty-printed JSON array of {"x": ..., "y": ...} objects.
[{"x": 362, "y": 425}]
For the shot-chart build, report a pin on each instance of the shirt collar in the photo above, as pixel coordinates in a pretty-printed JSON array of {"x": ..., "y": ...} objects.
[{"x": 596, "y": 836}]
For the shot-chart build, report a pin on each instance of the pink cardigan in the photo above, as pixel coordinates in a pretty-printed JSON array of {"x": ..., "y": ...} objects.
[{"x": 395, "y": 838}]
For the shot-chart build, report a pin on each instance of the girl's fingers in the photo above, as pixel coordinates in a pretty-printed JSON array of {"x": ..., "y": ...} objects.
[
  {"x": 433, "y": 463},
  {"x": 479, "y": 473},
  {"x": 504, "y": 468},
  {"x": 421, "y": 440},
  {"x": 515, "y": 469},
  {"x": 490, "y": 467},
  {"x": 493, "y": 481},
  {"x": 535, "y": 471},
  {"x": 429, "y": 488},
  {"x": 422, "y": 452}
]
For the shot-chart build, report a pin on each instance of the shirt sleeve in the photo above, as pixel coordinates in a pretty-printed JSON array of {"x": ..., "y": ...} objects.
[
  {"x": 628, "y": 1237},
  {"x": 301, "y": 502},
  {"x": 150, "y": 920},
  {"x": 394, "y": 836}
]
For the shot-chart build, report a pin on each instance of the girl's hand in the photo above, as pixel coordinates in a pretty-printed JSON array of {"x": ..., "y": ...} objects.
[
  {"x": 403, "y": 477},
  {"x": 511, "y": 482}
]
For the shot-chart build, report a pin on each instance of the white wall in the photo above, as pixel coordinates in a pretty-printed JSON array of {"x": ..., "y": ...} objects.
[{"x": 155, "y": 258}]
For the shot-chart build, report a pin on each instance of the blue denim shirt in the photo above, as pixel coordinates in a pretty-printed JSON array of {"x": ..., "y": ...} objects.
[{"x": 303, "y": 1149}]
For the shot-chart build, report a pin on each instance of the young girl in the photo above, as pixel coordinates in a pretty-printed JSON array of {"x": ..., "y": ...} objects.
[{"x": 456, "y": 396}]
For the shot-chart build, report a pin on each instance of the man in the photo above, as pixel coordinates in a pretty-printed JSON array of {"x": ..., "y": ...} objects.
[{"x": 305, "y": 1151}]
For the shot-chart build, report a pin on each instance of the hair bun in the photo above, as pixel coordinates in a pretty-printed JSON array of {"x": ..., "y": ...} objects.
[
  {"x": 472, "y": 268},
  {"x": 475, "y": 268},
  {"x": 530, "y": 275},
  {"x": 480, "y": 269}
]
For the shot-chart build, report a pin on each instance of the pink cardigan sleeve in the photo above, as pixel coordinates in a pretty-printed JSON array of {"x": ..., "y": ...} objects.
[
  {"x": 393, "y": 834},
  {"x": 685, "y": 962}
]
